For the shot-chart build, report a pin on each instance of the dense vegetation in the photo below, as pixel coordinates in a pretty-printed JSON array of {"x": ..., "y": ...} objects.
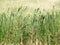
[{"x": 24, "y": 26}]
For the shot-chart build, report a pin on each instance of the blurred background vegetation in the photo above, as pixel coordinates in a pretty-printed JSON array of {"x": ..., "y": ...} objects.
[{"x": 29, "y": 22}]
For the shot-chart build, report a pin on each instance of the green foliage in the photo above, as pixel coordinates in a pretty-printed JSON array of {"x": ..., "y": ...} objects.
[{"x": 24, "y": 25}]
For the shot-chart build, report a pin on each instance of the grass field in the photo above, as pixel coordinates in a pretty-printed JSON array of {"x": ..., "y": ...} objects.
[{"x": 27, "y": 23}]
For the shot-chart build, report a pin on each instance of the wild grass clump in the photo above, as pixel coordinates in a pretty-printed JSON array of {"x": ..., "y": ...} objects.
[{"x": 29, "y": 27}]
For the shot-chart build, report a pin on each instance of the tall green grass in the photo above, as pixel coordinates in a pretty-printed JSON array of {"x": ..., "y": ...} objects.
[{"x": 30, "y": 27}]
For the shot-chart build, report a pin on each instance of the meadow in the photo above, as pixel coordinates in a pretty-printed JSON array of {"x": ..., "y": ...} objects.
[{"x": 27, "y": 26}]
